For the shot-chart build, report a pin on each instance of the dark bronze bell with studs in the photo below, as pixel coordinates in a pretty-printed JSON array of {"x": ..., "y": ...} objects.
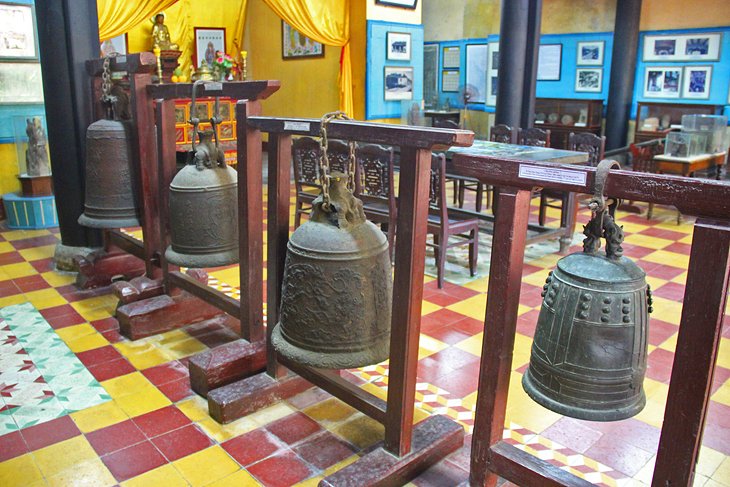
[
  {"x": 590, "y": 347},
  {"x": 204, "y": 203},
  {"x": 337, "y": 290},
  {"x": 110, "y": 198}
]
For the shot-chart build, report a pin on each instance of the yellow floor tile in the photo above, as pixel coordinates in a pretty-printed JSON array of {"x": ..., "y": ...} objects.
[
  {"x": 428, "y": 307},
  {"x": 64, "y": 455},
  {"x": 360, "y": 431},
  {"x": 195, "y": 408},
  {"x": 96, "y": 308},
  {"x": 97, "y": 417},
  {"x": 310, "y": 482},
  {"x": 57, "y": 279},
  {"x": 207, "y": 466},
  {"x": 88, "y": 342},
  {"x": 20, "y": 269},
  {"x": 722, "y": 474},
  {"x": 224, "y": 432},
  {"x": 91, "y": 473},
  {"x": 709, "y": 461},
  {"x": 376, "y": 391},
  {"x": 723, "y": 356},
  {"x": 231, "y": 276},
  {"x": 473, "y": 344},
  {"x": 668, "y": 258},
  {"x": 340, "y": 465},
  {"x": 71, "y": 333},
  {"x": 149, "y": 359},
  {"x": 536, "y": 278},
  {"x": 655, "y": 243},
  {"x": 11, "y": 300},
  {"x": 669, "y": 344},
  {"x": 19, "y": 471},
  {"x": 126, "y": 384},
  {"x": 481, "y": 285},
  {"x": 653, "y": 413},
  {"x": 165, "y": 475},
  {"x": 429, "y": 346},
  {"x": 474, "y": 307},
  {"x": 330, "y": 411},
  {"x": 547, "y": 261},
  {"x": 239, "y": 479},
  {"x": 655, "y": 282},
  {"x": 6, "y": 247},
  {"x": 667, "y": 310},
  {"x": 144, "y": 401},
  {"x": 680, "y": 279},
  {"x": 37, "y": 253},
  {"x": 271, "y": 413},
  {"x": 14, "y": 235},
  {"x": 136, "y": 347},
  {"x": 184, "y": 348}
]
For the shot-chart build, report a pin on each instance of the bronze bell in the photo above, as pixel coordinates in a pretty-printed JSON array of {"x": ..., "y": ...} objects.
[
  {"x": 337, "y": 291},
  {"x": 204, "y": 204},
  {"x": 110, "y": 201},
  {"x": 590, "y": 348}
]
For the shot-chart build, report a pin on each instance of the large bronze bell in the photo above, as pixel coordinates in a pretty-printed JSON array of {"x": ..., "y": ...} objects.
[
  {"x": 204, "y": 204},
  {"x": 590, "y": 348},
  {"x": 337, "y": 291},
  {"x": 110, "y": 201}
]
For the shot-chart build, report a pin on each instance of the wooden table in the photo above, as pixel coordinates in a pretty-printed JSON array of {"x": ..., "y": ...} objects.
[
  {"x": 513, "y": 152},
  {"x": 687, "y": 166}
]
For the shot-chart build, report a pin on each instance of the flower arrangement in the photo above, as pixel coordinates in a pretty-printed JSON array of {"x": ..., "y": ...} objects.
[{"x": 223, "y": 64}]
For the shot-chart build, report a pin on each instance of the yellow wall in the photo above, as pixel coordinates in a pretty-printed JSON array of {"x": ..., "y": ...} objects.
[
  {"x": 358, "y": 49},
  {"x": 680, "y": 14},
  {"x": 9, "y": 182}
]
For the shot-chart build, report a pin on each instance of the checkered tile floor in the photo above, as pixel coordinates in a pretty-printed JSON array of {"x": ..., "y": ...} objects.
[{"x": 148, "y": 428}]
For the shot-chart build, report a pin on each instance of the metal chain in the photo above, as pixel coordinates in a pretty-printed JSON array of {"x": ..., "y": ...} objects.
[
  {"x": 324, "y": 160},
  {"x": 106, "y": 87}
]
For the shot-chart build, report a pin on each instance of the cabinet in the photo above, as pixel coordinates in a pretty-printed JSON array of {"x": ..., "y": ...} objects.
[
  {"x": 563, "y": 116},
  {"x": 204, "y": 108},
  {"x": 655, "y": 120}
]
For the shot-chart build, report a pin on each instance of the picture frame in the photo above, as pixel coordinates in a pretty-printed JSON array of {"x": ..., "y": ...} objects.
[
  {"x": 451, "y": 57},
  {"x": 589, "y": 80},
  {"x": 398, "y": 46},
  {"x": 696, "y": 83},
  {"x": 590, "y": 53},
  {"x": 18, "y": 35},
  {"x": 398, "y": 82},
  {"x": 549, "y": 62},
  {"x": 295, "y": 45},
  {"x": 662, "y": 81},
  {"x": 20, "y": 83},
  {"x": 407, "y": 4},
  {"x": 116, "y": 46},
  {"x": 450, "y": 80},
  {"x": 477, "y": 60},
  {"x": 430, "y": 73},
  {"x": 685, "y": 47},
  {"x": 492, "y": 73},
  {"x": 208, "y": 40}
]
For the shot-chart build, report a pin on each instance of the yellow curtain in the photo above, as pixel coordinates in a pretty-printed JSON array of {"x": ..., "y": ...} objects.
[
  {"x": 116, "y": 17},
  {"x": 328, "y": 22}
]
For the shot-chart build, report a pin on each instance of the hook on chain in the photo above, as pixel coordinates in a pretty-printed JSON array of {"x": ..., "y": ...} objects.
[{"x": 324, "y": 161}]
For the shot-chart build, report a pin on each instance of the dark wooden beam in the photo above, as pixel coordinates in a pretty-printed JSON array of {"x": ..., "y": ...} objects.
[{"x": 238, "y": 90}]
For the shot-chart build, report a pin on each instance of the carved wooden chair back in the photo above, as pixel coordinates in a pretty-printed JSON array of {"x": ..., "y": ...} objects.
[
  {"x": 534, "y": 136},
  {"x": 590, "y": 143},
  {"x": 445, "y": 123},
  {"x": 375, "y": 186},
  {"x": 642, "y": 157},
  {"x": 503, "y": 133}
]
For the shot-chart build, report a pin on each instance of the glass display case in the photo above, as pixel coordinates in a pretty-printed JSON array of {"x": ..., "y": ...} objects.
[
  {"x": 655, "y": 120},
  {"x": 714, "y": 127},
  {"x": 563, "y": 116},
  {"x": 31, "y": 128},
  {"x": 680, "y": 144}
]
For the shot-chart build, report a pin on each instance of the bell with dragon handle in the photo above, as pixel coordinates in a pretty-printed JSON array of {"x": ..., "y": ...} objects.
[
  {"x": 590, "y": 348},
  {"x": 204, "y": 203},
  {"x": 111, "y": 201},
  {"x": 336, "y": 295}
]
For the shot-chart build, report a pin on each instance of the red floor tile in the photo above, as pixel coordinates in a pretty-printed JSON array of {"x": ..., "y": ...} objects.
[
  {"x": 57, "y": 311},
  {"x": 99, "y": 356},
  {"x": 161, "y": 421},
  {"x": 662, "y": 233},
  {"x": 460, "y": 382},
  {"x": 631, "y": 431},
  {"x": 527, "y": 323},
  {"x": 8, "y": 288},
  {"x": 177, "y": 390},
  {"x": 441, "y": 299},
  {"x": 660, "y": 331},
  {"x": 169, "y": 372},
  {"x": 438, "y": 319},
  {"x": 280, "y": 470},
  {"x": 670, "y": 290},
  {"x": 111, "y": 369},
  {"x": 112, "y": 336},
  {"x": 50, "y": 432},
  {"x": 717, "y": 428},
  {"x": 441, "y": 474},
  {"x": 12, "y": 445},
  {"x": 470, "y": 326},
  {"x": 679, "y": 248},
  {"x": 528, "y": 269},
  {"x": 323, "y": 450},
  {"x": 617, "y": 454},
  {"x": 719, "y": 377},
  {"x": 31, "y": 283},
  {"x": 181, "y": 442},
  {"x": 454, "y": 357},
  {"x": 660, "y": 271},
  {"x": 448, "y": 334},
  {"x": 133, "y": 461},
  {"x": 115, "y": 437},
  {"x": 11, "y": 258},
  {"x": 43, "y": 265},
  {"x": 293, "y": 428},
  {"x": 659, "y": 365},
  {"x": 106, "y": 324},
  {"x": 578, "y": 434},
  {"x": 27, "y": 243},
  {"x": 636, "y": 251},
  {"x": 252, "y": 447}
]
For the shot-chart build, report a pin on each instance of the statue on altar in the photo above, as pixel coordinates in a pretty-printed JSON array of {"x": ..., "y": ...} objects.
[
  {"x": 161, "y": 34},
  {"x": 36, "y": 156}
]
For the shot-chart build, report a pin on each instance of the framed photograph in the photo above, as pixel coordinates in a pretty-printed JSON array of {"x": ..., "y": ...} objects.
[
  {"x": 685, "y": 47},
  {"x": 590, "y": 53},
  {"x": 409, "y": 4},
  {"x": 398, "y": 83},
  {"x": 451, "y": 57},
  {"x": 492, "y": 73},
  {"x": 295, "y": 45},
  {"x": 696, "y": 82},
  {"x": 398, "y": 46},
  {"x": 20, "y": 83},
  {"x": 431, "y": 73},
  {"x": 548, "y": 62},
  {"x": 17, "y": 32},
  {"x": 208, "y": 40},
  {"x": 450, "y": 81},
  {"x": 589, "y": 79},
  {"x": 662, "y": 81},
  {"x": 476, "y": 72},
  {"x": 116, "y": 46}
]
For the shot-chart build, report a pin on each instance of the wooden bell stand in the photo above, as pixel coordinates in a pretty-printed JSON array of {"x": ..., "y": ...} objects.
[{"x": 699, "y": 331}]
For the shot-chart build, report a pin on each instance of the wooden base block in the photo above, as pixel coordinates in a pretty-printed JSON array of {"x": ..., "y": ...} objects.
[
  {"x": 433, "y": 439},
  {"x": 137, "y": 289},
  {"x": 246, "y": 396},
  {"x": 36, "y": 185},
  {"x": 99, "y": 268},
  {"x": 155, "y": 315},
  {"x": 226, "y": 364}
]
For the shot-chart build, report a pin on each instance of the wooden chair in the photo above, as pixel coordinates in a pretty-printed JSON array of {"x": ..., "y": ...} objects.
[
  {"x": 457, "y": 181},
  {"x": 503, "y": 133},
  {"x": 642, "y": 160},
  {"x": 533, "y": 136},
  {"x": 375, "y": 187},
  {"x": 442, "y": 224},
  {"x": 587, "y": 142}
]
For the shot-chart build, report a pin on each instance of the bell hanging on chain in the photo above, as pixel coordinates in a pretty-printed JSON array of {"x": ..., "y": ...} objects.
[
  {"x": 590, "y": 347},
  {"x": 336, "y": 295},
  {"x": 204, "y": 204},
  {"x": 111, "y": 200}
]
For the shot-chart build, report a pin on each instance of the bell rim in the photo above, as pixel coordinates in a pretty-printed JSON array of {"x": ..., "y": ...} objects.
[
  {"x": 92, "y": 222},
  {"x": 534, "y": 390},
  {"x": 202, "y": 261}
]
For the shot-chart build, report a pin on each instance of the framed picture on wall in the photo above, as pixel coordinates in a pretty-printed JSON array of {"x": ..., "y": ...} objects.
[
  {"x": 208, "y": 40},
  {"x": 450, "y": 80},
  {"x": 409, "y": 4},
  {"x": 398, "y": 46},
  {"x": 589, "y": 79},
  {"x": 696, "y": 82},
  {"x": 451, "y": 57},
  {"x": 492, "y": 73},
  {"x": 295, "y": 45},
  {"x": 116, "y": 46},
  {"x": 549, "y": 59},
  {"x": 662, "y": 81},
  {"x": 685, "y": 47},
  {"x": 398, "y": 83},
  {"x": 17, "y": 32},
  {"x": 476, "y": 72},
  {"x": 20, "y": 83},
  {"x": 590, "y": 53}
]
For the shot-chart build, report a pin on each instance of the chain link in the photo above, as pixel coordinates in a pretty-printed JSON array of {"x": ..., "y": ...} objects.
[
  {"x": 324, "y": 160},
  {"x": 106, "y": 88}
]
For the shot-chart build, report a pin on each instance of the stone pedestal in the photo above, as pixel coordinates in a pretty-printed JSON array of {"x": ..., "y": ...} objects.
[
  {"x": 169, "y": 62},
  {"x": 36, "y": 185}
]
